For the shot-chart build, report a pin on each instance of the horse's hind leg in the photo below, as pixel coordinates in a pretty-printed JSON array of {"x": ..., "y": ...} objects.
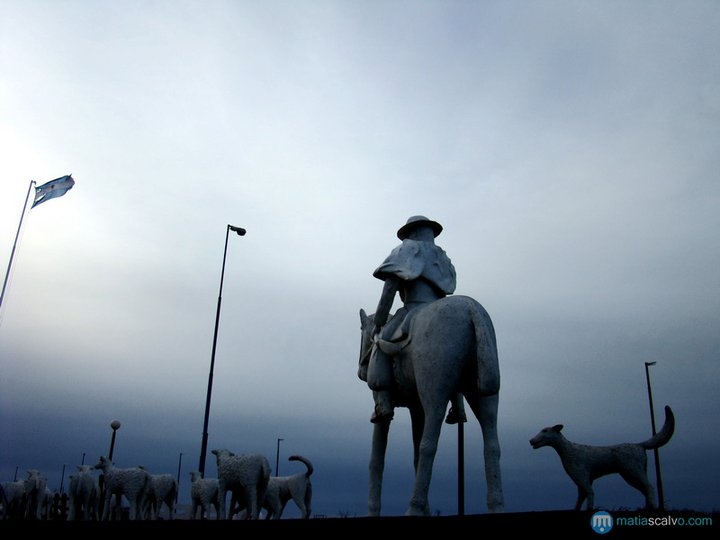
[
  {"x": 377, "y": 466},
  {"x": 486, "y": 412}
]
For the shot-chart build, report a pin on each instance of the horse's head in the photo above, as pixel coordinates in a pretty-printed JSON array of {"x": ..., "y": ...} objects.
[{"x": 366, "y": 330}]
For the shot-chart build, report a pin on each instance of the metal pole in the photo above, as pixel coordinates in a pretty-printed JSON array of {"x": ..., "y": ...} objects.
[
  {"x": 115, "y": 425},
  {"x": 461, "y": 468},
  {"x": 277, "y": 457},
  {"x": 177, "y": 493},
  {"x": 203, "y": 448},
  {"x": 661, "y": 495},
  {"x": 62, "y": 479},
  {"x": 17, "y": 234}
]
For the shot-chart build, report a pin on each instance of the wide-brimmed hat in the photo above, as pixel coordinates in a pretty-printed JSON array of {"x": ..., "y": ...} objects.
[{"x": 418, "y": 221}]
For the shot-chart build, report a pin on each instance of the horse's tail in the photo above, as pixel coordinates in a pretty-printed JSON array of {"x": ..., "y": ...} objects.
[{"x": 487, "y": 353}]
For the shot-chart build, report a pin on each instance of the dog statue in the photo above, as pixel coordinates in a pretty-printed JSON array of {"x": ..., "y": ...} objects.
[
  {"x": 297, "y": 487},
  {"x": 283, "y": 489},
  {"x": 585, "y": 463}
]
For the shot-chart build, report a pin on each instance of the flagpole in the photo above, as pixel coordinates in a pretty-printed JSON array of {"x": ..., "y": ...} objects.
[{"x": 17, "y": 235}]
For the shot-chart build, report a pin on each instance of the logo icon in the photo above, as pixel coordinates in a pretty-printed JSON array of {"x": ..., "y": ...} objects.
[{"x": 601, "y": 522}]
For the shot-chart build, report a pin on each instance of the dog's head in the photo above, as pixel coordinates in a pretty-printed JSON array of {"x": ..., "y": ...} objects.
[{"x": 547, "y": 436}]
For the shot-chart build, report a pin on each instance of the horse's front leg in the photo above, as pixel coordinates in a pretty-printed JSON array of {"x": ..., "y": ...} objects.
[
  {"x": 417, "y": 423},
  {"x": 426, "y": 450},
  {"x": 377, "y": 466}
]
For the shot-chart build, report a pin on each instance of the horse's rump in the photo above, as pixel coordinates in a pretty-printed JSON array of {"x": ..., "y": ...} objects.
[{"x": 459, "y": 327}]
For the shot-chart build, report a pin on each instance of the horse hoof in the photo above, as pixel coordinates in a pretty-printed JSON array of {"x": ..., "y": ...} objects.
[{"x": 416, "y": 511}]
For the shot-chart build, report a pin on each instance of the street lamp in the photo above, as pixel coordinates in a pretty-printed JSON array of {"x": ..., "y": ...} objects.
[
  {"x": 661, "y": 496},
  {"x": 62, "y": 479},
  {"x": 177, "y": 493},
  {"x": 203, "y": 451},
  {"x": 115, "y": 425},
  {"x": 277, "y": 457}
]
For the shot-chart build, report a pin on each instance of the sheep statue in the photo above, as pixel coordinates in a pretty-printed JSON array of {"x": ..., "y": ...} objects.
[
  {"x": 163, "y": 492},
  {"x": 203, "y": 494},
  {"x": 83, "y": 495},
  {"x": 246, "y": 476},
  {"x": 35, "y": 492},
  {"x": 13, "y": 499},
  {"x": 133, "y": 483}
]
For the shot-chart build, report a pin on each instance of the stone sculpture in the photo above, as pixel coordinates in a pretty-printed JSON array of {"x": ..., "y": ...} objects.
[
  {"x": 585, "y": 463},
  {"x": 246, "y": 476},
  {"x": 433, "y": 351}
]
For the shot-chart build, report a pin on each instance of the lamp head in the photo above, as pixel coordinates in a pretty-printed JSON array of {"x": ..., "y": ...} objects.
[{"x": 239, "y": 230}]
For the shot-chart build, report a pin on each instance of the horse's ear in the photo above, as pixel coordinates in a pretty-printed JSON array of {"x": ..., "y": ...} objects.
[
  {"x": 558, "y": 427},
  {"x": 363, "y": 316}
]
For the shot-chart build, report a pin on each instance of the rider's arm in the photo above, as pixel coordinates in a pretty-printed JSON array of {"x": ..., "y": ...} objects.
[{"x": 392, "y": 283}]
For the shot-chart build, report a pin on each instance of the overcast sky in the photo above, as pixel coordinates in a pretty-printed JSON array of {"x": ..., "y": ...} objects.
[{"x": 570, "y": 149}]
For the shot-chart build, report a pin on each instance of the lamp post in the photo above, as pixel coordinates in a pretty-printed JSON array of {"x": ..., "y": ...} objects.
[
  {"x": 661, "y": 495},
  {"x": 203, "y": 450},
  {"x": 177, "y": 493},
  {"x": 461, "y": 468},
  {"x": 115, "y": 425},
  {"x": 277, "y": 457},
  {"x": 62, "y": 479}
]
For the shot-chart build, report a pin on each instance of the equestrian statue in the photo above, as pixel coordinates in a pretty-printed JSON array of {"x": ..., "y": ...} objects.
[{"x": 437, "y": 349}]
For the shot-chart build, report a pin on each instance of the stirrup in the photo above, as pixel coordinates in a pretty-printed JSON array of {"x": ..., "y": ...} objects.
[
  {"x": 378, "y": 417},
  {"x": 453, "y": 417}
]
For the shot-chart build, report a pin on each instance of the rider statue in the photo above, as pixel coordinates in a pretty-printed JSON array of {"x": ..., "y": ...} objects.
[{"x": 421, "y": 272}]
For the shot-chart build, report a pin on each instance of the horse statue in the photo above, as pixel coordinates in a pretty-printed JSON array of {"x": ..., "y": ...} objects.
[{"x": 450, "y": 353}]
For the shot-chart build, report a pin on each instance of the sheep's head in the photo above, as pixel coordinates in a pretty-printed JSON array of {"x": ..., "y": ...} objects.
[{"x": 102, "y": 463}]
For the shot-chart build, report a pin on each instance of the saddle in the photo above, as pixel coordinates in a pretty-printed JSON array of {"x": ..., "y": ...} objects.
[
  {"x": 402, "y": 335},
  {"x": 399, "y": 340}
]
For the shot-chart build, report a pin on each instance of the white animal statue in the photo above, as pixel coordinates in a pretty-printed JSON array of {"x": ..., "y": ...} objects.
[
  {"x": 246, "y": 476},
  {"x": 46, "y": 504},
  {"x": 13, "y": 499},
  {"x": 133, "y": 483},
  {"x": 203, "y": 495},
  {"x": 83, "y": 495},
  {"x": 35, "y": 488},
  {"x": 585, "y": 463},
  {"x": 450, "y": 352},
  {"x": 283, "y": 489},
  {"x": 163, "y": 492},
  {"x": 296, "y": 488}
]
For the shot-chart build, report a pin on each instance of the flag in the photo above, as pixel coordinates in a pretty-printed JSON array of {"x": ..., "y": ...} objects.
[{"x": 52, "y": 189}]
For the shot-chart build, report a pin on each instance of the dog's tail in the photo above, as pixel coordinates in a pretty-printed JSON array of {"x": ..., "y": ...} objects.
[
  {"x": 307, "y": 463},
  {"x": 663, "y": 436}
]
